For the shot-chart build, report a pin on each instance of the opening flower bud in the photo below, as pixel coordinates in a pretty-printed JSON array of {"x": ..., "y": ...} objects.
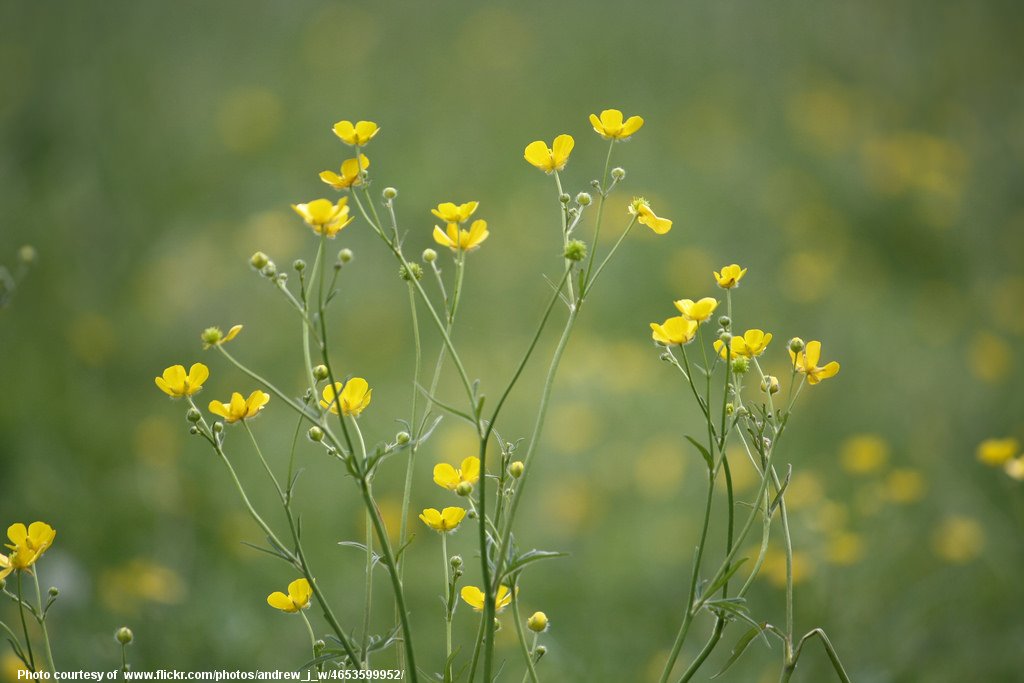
[
  {"x": 770, "y": 384},
  {"x": 258, "y": 260},
  {"x": 537, "y": 622},
  {"x": 618, "y": 173}
]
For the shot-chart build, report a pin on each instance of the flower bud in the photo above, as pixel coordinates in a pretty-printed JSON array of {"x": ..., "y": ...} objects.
[
  {"x": 193, "y": 430},
  {"x": 464, "y": 488},
  {"x": 796, "y": 344},
  {"x": 618, "y": 173},
  {"x": 282, "y": 278},
  {"x": 3, "y": 584},
  {"x": 770, "y": 384},
  {"x": 319, "y": 646},
  {"x": 667, "y": 357},
  {"x": 269, "y": 269},
  {"x": 540, "y": 651},
  {"x": 537, "y": 622},
  {"x": 564, "y": 198},
  {"x": 193, "y": 415},
  {"x": 345, "y": 255},
  {"x": 456, "y": 561},
  {"x": 740, "y": 365},
  {"x": 576, "y": 250},
  {"x": 299, "y": 265},
  {"x": 429, "y": 255},
  {"x": 218, "y": 427},
  {"x": 402, "y": 438},
  {"x": 258, "y": 260},
  {"x": 315, "y": 434},
  {"x": 320, "y": 372},
  {"x": 414, "y": 268},
  {"x": 124, "y": 635},
  {"x": 724, "y": 322},
  {"x": 729, "y": 409},
  {"x": 516, "y": 469},
  {"x": 211, "y": 335},
  {"x": 596, "y": 184},
  {"x": 390, "y": 193},
  {"x": 584, "y": 199},
  {"x": 53, "y": 592},
  {"x": 27, "y": 254},
  {"x": 725, "y": 337}
]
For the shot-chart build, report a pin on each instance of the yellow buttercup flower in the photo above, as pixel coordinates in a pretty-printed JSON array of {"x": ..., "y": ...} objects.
[
  {"x": 550, "y": 159},
  {"x": 27, "y": 545},
  {"x": 450, "y": 212},
  {"x": 299, "y": 595},
  {"x": 610, "y": 125},
  {"x": 240, "y": 408},
  {"x": 176, "y": 384},
  {"x": 998, "y": 452},
  {"x": 474, "y": 597},
  {"x": 212, "y": 336},
  {"x": 698, "y": 311},
  {"x": 5, "y": 566},
  {"x": 351, "y": 174},
  {"x": 462, "y": 240},
  {"x": 751, "y": 344},
  {"x": 356, "y": 134},
  {"x": 445, "y": 520},
  {"x": 730, "y": 276},
  {"x": 447, "y": 477},
  {"x": 807, "y": 362},
  {"x": 354, "y": 396},
  {"x": 674, "y": 331},
  {"x": 644, "y": 215},
  {"x": 324, "y": 217}
]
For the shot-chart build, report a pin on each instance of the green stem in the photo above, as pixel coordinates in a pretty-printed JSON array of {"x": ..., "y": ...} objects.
[
  {"x": 42, "y": 623},
  {"x": 716, "y": 636},
  {"x": 521, "y": 635},
  {"x": 24, "y": 625},
  {"x": 448, "y": 611}
]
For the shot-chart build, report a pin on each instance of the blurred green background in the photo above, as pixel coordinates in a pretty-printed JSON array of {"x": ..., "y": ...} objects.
[{"x": 862, "y": 159}]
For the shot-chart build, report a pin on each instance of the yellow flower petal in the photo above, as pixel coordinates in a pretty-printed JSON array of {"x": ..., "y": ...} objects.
[
  {"x": 446, "y": 476},
  {"x": 279, "y": 600}
]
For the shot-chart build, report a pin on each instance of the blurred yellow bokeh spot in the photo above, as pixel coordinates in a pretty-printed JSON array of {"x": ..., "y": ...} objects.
[
  {"x": 958, "y": 539},
  {"x": 864, "y": 454}
]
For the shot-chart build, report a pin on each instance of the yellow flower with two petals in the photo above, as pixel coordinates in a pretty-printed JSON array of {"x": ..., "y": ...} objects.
[
  {"x": 177, "y": 384},
  {"x": 353, "y": 396},
  {"x": 325, "y": 217},
  {"x": 447, "y": 477},
  {"x": 610, "y": 125},
  {"x": 806, "y": 362},
  {"x": 753, "y": 343},
  {"x": 358, "y": 133},
  {"x": 351, "y": 174},
  {"x": 298, "y": 598},
  {"x": 640, "y": 208},
  {"x": 699, "y": 310},
  {"x": 444, "y": 521},
  {"x": 474, "y": 597},
  {"x": 550, "y": 159},
  {"x": 674, "y": 331},
  {"x": 239, "y": 407},
  {"x": 729, "y": 276}
]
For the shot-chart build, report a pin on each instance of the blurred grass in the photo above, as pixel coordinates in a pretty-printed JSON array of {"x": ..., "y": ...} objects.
[{"x": 864, "y": 161}]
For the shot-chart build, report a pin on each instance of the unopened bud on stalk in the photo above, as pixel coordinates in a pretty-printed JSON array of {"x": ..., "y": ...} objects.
[
  {"x": 618, "y": 173},
  {"x": 315, "y": 434},
  {"x": 193, "y": 415},
  {"x": 27, "y": 254},
  {"x": 299, "y": 265},
  {"x": 796, "y": 344},
  {"x": 218, "y": 427},
  {"x": 53, "y": 592},
  {"x": 537, "y": 622},
  {"x": 540, "y": 651},
  {"x": 596, "y": 184},
  {"x": 402, "y": 438},
  {"x": 564, "y": 198},
  {"x": 320, "y": 372},
  {"x": 282, "y": 278},
  {"x": 345, "y": 255},
  {"x": 584, "y": 199},
  {"x": 269, "y": 269},
  {"x": 740, "y": 365},
  {"x": 724, "y": 322},
  {"x": 193, "y": 430},
  {"x": 456, "y": 561},
  {"x": 319, "y": 646},
  {"x": 770, "y": 384},
  {"x": 725, "y": 337},
  {"x": 414, "y": 268},
  {"x": 124, "y": 635},
  {"x": 667, "y": 357},
  {"x": 516, "y": 469},
  {"x": 576, "y": 250},
  {"x": 429, "y": 255},
  {"x": 464, "y": 488},
  {"x": 390, "y": 193},
  {"x": 258, "y": 260}
]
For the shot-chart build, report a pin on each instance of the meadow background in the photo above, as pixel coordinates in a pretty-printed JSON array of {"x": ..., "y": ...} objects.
[{"x": 862, "y": 159}]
